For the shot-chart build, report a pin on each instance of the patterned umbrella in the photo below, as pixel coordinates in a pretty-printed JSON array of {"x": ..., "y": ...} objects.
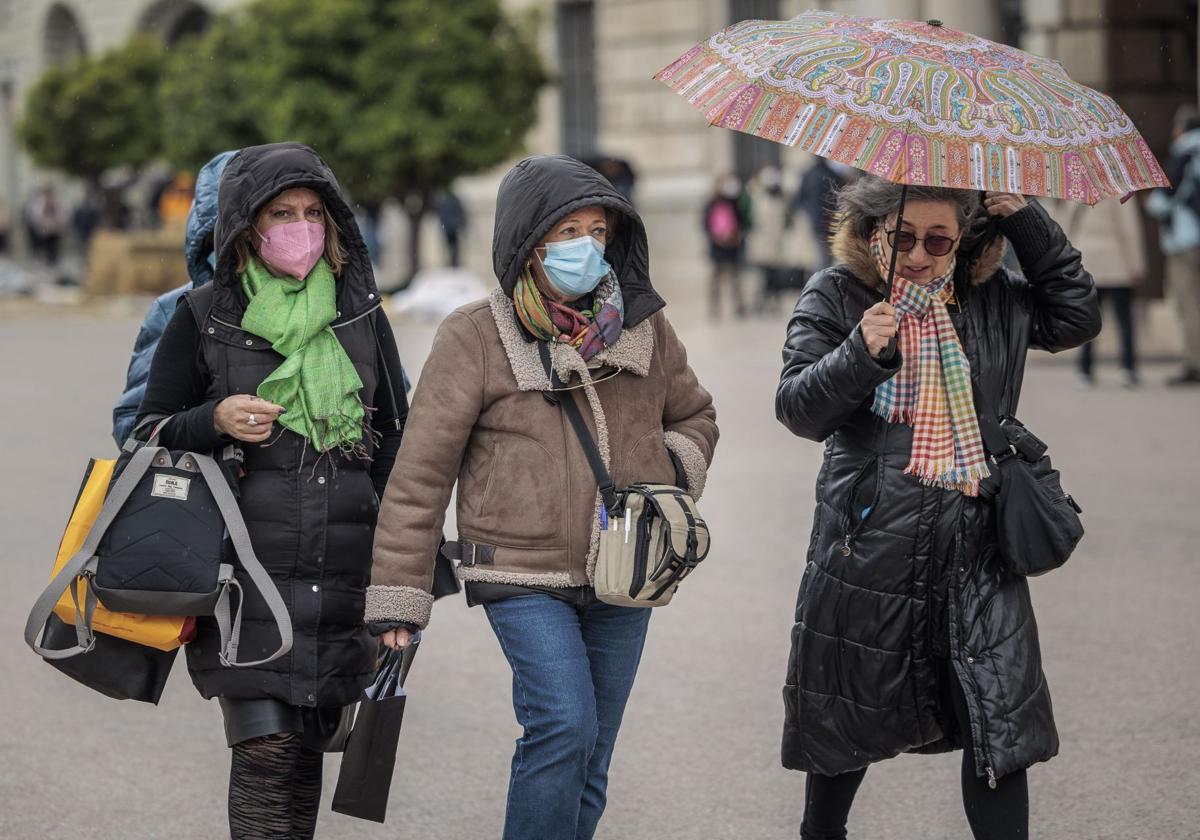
[{"x": 917, "y": 103}]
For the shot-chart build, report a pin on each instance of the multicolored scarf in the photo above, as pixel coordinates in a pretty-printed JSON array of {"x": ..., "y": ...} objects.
[
  {"x": 317, "y": 382},
  {"x": 932, "y": 390},
  {"x": 587, "y": 330}
]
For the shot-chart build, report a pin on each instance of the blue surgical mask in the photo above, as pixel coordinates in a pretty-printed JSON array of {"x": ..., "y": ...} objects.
[{"x": 575, "y": 267}]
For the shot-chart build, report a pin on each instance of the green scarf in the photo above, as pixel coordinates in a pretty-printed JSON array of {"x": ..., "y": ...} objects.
[{"x": 317, "y": 382}]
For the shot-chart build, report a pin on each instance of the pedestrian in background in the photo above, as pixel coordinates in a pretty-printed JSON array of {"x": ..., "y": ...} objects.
[
  {"x": 1178, "y": 208},
  {"x": 910, "y": 634},
  {"x": 46, "y": 221},
  {"x": 5, "y": 227},
  {"x": 726, "y": 220},
  {"x": 766, "y": 241},
  {"x": 292, "y": 313},
  {"x": 1109, "y": 236},
  {"x": 200, "y": 258},
  {"x": 452, "y": 216},
  {"x": 572, "y": 260},
  {"x": 816, "y": 199}
]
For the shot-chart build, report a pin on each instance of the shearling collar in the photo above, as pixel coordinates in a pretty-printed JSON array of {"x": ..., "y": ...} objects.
[
  {"x": 631, "y": 352},
  {"x": 855, "y": 253}
]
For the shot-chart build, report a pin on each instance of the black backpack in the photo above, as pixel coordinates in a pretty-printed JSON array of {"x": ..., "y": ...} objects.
[{"x": 158, "y": 548}]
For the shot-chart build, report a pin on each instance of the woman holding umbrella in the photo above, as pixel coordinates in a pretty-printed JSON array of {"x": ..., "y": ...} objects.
[{"x": 910, "y": 635}]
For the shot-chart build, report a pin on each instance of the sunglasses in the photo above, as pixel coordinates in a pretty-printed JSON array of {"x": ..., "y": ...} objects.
[{"x": 935, "y": 246}]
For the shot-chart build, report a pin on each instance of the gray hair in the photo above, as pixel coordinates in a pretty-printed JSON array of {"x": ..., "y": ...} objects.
[{"x": 869, "y": 200}]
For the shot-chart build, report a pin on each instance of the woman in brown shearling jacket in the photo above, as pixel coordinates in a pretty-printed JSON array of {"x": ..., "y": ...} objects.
[{"x": 571, "y": 257}]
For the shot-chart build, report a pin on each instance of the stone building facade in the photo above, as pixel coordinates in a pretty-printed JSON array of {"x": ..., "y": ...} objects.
[{"x": 604, "y": 54}]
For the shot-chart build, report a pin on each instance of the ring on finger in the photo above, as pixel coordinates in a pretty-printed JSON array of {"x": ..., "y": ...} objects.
[{"x": 252, "y": 421}]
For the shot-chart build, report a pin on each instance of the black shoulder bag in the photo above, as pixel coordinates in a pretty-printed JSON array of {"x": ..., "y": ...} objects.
[{"x": 1037, "y": 523}]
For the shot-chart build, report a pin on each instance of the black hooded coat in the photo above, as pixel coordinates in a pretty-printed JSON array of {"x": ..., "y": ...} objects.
[
  {"x": 902, "y": 579},
  {"x": 311, "y": 518}
]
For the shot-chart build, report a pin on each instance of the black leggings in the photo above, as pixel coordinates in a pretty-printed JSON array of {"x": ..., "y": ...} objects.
[
  {"x": 1000, "y": 814},
  {"x": 274, "y": 789}
]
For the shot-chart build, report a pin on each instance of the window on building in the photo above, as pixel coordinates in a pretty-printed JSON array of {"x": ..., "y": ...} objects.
[
  {"x": 577, "y": 67},
  {"x": 751, "y": 154},
  {"x": 64, "y": 41}
]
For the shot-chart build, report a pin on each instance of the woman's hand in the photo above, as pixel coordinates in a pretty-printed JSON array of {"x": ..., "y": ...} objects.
[
  {"x": 397, "y": 639},
  {"x": 878, "y": 327},
  {"x": 1004, "y": 204},
  {"x": 233, "y": 416}
]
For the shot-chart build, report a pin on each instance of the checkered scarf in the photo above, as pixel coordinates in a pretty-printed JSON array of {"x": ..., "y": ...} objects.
[{"x": 932, "y": 390}]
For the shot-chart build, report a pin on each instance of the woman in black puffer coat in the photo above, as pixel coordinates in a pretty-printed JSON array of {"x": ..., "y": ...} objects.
[
  {"x": 910, "y": 634},
  {"x": 310, "y": 513}
]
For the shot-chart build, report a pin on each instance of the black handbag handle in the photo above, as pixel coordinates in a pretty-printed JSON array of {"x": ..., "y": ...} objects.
[{"x": 604, "y": 481}]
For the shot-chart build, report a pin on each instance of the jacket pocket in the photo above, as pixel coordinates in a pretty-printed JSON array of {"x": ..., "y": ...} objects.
[
  {"x": 649, "y": 461},
  {"x": 861, "y": 501},
  {"x": 523, "y": 500}
]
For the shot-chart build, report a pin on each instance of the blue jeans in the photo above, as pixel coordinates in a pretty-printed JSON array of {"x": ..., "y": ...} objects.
[{"x": 573, "y": 669}]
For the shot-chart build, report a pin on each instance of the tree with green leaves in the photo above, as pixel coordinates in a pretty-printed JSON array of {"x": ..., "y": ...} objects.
[
  {"x": 96, "y": 114},
  {"x": 400, "y": 96}
]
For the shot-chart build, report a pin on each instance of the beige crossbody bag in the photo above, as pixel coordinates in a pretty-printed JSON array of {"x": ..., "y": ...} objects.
[{"x": 651, "y": 535}]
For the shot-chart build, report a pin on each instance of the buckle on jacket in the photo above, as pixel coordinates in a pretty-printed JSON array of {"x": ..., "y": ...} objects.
[{"x": 469, "y": 553}]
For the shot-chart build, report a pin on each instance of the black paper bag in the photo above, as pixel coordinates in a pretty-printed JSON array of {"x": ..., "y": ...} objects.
[{"x": 365, "y": 778}]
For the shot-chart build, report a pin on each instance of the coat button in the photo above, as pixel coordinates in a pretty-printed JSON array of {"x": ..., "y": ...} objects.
[
  {"x": 970, "y": 660},
  {"x": 845, "y": 551},
  {"x": 321, "y": 479},
  {"x": 312, "y": 698},
  {"x": 249, "y": 342},
  {"x": 316, "y": 588},
  {"x": 371, "y": 296},
  {"x": 211, "y": 330}
]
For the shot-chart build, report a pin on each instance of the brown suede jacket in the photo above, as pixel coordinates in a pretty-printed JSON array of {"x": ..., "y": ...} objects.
[{"x": 524, "y": 485}]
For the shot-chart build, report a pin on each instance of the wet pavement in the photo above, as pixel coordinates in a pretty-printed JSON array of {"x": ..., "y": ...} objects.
[{"x": 698, "y": 755}]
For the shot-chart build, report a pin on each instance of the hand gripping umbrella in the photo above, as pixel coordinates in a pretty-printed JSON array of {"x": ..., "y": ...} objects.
[{"x": 917, "y": 103}]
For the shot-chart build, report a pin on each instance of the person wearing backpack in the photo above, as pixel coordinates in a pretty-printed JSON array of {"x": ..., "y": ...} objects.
[
  {"x": 1179, "y": 235},
  {"x": 200, "y": 258},
  {"x": 726, "y": 219},
  {"x": 572, "y": 260},
  {"x": 288, "y": 353}
]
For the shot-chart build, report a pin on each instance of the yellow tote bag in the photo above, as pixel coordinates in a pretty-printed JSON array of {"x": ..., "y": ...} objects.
[{"x": 163, "y": 632}]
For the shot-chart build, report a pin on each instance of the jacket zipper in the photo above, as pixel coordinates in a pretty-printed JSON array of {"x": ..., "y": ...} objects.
[
  {"x": 955, "y": 653},
  {"x": 641, "y": 554},
  {"x": 850, "y": 534}
]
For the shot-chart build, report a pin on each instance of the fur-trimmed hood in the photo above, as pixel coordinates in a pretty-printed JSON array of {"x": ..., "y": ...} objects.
[{"x": 855, "y": 253}]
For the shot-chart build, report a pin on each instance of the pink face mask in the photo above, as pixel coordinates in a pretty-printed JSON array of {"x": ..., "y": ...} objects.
[{"x": 293, "y": 248}]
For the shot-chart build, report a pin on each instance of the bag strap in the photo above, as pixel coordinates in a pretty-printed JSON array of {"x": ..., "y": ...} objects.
[
  {"x": 235, "y": 524},
  {"x": 604, "y": 481},
  {"x": 994, "y": 439},
  {"x": 83, "y": 565}
]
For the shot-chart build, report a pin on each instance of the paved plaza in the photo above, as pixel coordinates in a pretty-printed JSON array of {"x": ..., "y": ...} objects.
[{"x": 698, "y": 756}]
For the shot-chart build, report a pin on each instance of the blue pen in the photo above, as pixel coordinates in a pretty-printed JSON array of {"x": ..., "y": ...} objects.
[{"x": 603, "y": 518}]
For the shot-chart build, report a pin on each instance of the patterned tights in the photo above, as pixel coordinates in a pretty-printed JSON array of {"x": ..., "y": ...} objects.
[{"x": 274, "y": 789}]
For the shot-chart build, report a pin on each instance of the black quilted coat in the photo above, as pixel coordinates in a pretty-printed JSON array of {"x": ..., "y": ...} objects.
[
  {"x": 311, "y": 518},
  {"x": 887, "y": 598}
]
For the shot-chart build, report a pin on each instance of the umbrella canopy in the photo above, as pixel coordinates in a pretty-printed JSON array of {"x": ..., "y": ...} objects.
[{"x": 917, "y": 103}]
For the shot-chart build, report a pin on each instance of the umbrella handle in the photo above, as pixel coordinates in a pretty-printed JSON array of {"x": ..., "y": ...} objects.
[{"x": 899, "y": 225}]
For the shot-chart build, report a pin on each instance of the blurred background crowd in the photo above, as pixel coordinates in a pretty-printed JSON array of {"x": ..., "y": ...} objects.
[{"x": 107, "y": 108}]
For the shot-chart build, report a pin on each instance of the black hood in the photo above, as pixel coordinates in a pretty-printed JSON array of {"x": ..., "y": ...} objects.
[
  {"x": 537, "y": 193},
  {"x": 252, "y": 178}
]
